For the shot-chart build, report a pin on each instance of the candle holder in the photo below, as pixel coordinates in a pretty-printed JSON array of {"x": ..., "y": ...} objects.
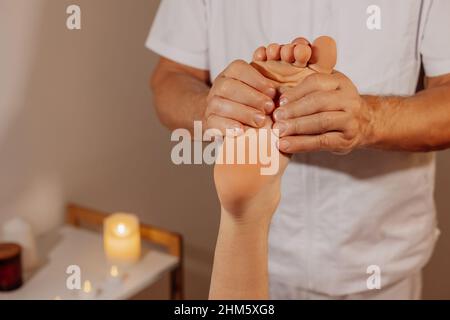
[
  {"x": 17, "y": 230},
  {"x": 10, "y": 266},
  {"x": 122, "y": 239}
]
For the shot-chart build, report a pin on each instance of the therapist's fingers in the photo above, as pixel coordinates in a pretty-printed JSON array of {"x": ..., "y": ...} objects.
[
  {"x": 313, "y": 124},
  {"x": 244, "y": 72},
  {"x": 237, "y": 91},
  {"x": 232, "y": 110},
  {"x": 228, "y": 127},
  {"x": 312, "y": 83},
  {"x": 330, "y": 141},
  {"x": 312, "y": 103}
]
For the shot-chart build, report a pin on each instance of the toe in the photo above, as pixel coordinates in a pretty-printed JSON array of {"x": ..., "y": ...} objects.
[
  {"x": 324, "y": 55},
  {"x": 287, "y": 53},
  {"x": 301, "y": 40},
  {"x": 273, "y": 52},
  {"x": 260, "y": 54},
  {"x": 302, "y": 54}
]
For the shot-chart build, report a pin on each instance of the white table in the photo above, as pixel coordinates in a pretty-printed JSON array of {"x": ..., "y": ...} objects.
[{"x": 75, "y": 246}]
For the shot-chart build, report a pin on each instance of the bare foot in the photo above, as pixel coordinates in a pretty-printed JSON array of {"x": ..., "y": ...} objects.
[
  {"x": 287, "y": 65},
  {"x": 243, "y": 189},
  {"x": 247, "y": 189}
]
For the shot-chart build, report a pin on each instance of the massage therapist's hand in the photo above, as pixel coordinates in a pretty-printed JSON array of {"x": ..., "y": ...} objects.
[
  {"x": 324, "y": 113},
  {"x": 240, "y": 97}
]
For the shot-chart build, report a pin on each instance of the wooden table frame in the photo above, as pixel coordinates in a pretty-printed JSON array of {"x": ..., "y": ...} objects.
[{"x": 171, "y": 241}]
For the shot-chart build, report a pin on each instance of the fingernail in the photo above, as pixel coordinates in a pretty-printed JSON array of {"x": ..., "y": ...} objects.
[
  {"x": 283, "y": 101},
  {"x": 234, "y": 132},
  {"x": 281, "y": 127},
  {"x": 279, "y": 114},
  {"x": 271, "y": 92},
  {"x": 268, "y": 107},
  {"x": 238, "y": 131},
  {"x": 259, "y": 119},
  {"x": 283, "y": 145}
]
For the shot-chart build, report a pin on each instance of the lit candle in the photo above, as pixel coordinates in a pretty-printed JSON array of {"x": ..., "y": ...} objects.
[
  {"x": 114, "y": 272},
  {"x": 87, "y": 292},
  {"x": 113, "y": 280},
  {"x": 122, "y": 239},
  {"x": 115, "y": 277}
]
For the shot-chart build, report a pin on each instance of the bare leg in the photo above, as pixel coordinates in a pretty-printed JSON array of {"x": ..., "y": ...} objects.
[
  {"x": 248, "y": 201},
  {"x": 248, "y": 198}
]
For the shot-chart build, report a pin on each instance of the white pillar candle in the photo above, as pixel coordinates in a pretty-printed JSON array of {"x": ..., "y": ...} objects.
[{"x": 122, "y": 239}]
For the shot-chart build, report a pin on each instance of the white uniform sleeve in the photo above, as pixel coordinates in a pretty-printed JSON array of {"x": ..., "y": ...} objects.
[
  {"x": 435, "y": 48},
  {"x": 179, "y": 32}
]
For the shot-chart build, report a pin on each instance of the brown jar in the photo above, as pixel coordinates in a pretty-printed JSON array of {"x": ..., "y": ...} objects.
[{"x": 10, "y": 266}]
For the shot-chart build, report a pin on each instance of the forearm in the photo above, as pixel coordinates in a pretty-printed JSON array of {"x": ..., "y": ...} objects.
[
  {"x": 417, "y": 123},
  {"x": 179, "y": 98},
  {"x": 241, "y": 260}
]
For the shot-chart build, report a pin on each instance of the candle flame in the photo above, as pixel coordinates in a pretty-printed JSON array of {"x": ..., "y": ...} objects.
[
  {"x": 121, "y": 229},
  {"x": 87, "y": 286},
  {"x": 114, "y": 271}
]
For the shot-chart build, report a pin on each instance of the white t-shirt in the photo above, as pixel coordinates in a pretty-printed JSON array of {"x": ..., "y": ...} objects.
[{"x": 338, "y": 214}]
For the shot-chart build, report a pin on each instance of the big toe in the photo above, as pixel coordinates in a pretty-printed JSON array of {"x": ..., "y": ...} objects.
[{"x": 324, "y": 55}]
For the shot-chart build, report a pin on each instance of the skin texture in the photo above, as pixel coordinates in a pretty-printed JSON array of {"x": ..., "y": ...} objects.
[
  {"x": 326, "y": 113},
  {"x": 248, "y": 201},
  {"x": 179, "y": 93},
  {"x": 240, "y": 269},
  {"x": 239, "y": 98},
  {"x": 288, "y": 65},
  {"x": 183, "y": 94},
  {"x": 241, "y": 187},
  {"x": 323, "y": 113}
]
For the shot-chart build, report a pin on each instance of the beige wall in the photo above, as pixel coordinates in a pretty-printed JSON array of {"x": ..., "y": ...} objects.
[
  {"x": 82, "y": 128},
  {"x": 76, "y": 124}
]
